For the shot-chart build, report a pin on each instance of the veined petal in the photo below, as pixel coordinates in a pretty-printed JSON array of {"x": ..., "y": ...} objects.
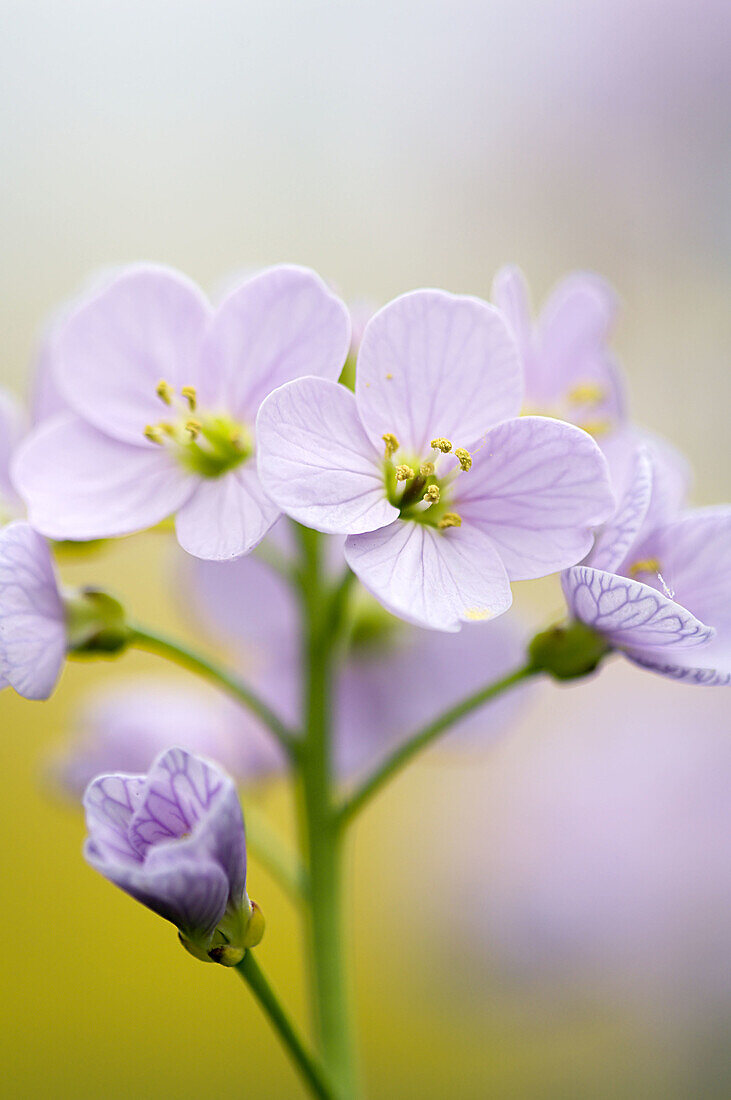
[
  {"x": 316, "y": 461},
  {"x": 630, "y": 614},
  {"x": 281, "y": 324},
  {"x": 226, "y": 516},
  {"x": 32, "y": 617},
  {"x": 437, "y": 579},
  {"x": 436, "y": 364},
  {"x": 620, "y": 532},
  {"x": 144, "y": 326},
  {"x": 708, "y": 666},
  {"x": 110, "y": 802},
  {"x": 81, "y": 484},
  {"x": 537, "y": 487}
]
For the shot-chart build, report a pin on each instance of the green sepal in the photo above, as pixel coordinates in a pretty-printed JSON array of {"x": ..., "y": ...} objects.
[
  {"x": 96, "y": 623},
  {"x": 568, "y": 652}
]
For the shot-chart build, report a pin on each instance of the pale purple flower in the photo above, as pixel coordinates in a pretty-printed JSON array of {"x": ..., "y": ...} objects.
[
  {"x": 657, "y": 584},
  {"x": 12, "y": 430},
  {"x": 122, "y": 727},
  {"x": 174, "y": 840},
  {"x": 445, "y": 493},
  {"x": 569, "y": 370},
  {"x": 394, "y": 677},
  {"x": 33, "y": 632},
  {"x": 164, "y": 393}
]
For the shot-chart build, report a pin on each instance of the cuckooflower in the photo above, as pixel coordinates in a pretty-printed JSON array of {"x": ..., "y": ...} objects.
[
  {"x": 569, "y": 371},
  {"x": 657, "y": 584},
  {"x": 124, "y": 726},
  {"x": 445, "y": 493},
  {"x": 164, "y": 392},
  {"x": 40, "y": 622},
  {"x": 174, "y": 840}
]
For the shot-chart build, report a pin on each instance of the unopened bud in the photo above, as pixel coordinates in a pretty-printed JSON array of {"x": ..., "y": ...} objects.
[{"x": 567, "y": 652}]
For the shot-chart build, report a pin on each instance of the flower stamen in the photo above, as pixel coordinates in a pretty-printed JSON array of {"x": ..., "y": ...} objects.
[
  {"x": 392, "y": 444},
  {"x": 404, "y": 473},
  {"x": 449, "y": 519},
  {"x": 191, "y": 396},
  {"x": 464, "y": 458},
  {"x": 441, "y": 444},
  {"x": 165, "y": 392}
]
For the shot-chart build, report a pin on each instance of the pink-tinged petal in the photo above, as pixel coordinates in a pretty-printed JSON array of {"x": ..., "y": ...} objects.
[
  {"x": 435, "y": 364},
  {"x": 316, "y": 461},
  {"x": 226, "y": 516},
  {"x": 537, "y": 487},
  {"x": 630, "y": 614},
  {"x": 437, "y": 579},
  {"x": 279, "y": 325},
  {"x": 577, "y": 319},
  {"x": 694, "y": 556},
  {"x": 12, "y": 429},
  {"x": 618, "y": 535},
  {"x": 32, "y": 616},
  {"x": 79, "y": 483},
  {"x": 510, "y": 295},
  {"x": 144, "y": 326}
]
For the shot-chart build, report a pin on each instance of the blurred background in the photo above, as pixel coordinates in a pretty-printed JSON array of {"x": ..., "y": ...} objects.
[{"x": 549, "y": 916}]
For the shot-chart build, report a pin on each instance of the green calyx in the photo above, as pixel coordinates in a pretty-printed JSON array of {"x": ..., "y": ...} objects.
[
  {"x": 240, "y": 929},
  {"x": 372, "y": 627},
  {"x": 95, "y": 623},
  {"x": 567, "y": 652}
]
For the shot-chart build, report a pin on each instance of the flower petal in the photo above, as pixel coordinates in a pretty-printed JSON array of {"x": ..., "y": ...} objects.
[
  {"x": 619, "y": 533},
  {"x": 144, "y": 326},
  {"x": 81, "y": 484},
  {"x": 279, "y": 325},
  {"x": 109, "y": 803},
  {"x": 630, "y": 614},
  {"x": 226, "y": 516},
  {"x": 32, "y": 617},
  {"x": 436, "y": 364},
  {"x": 437, "y": 579},
  {"x": 537, "y": 487},
  {"x": 709, "y": 666},
  {"x": 316, "y": 461},
  {"x": 577, "y": 319},
  {"x": 510, "y": 295}
]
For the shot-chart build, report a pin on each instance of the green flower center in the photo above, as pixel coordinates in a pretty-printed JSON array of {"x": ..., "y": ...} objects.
[
  {"x": 418, "y": 489},
  {"x": 206, "y": 443}
]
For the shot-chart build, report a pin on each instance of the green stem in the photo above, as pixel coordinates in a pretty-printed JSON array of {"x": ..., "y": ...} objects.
[
  {"x": 183, "y": 655},
  {"x": 423, "y": 737},
  {"x": 266, "y": 846},
  {"x": 312, "y": 1072},
  {"x": 323, "y": 611}
]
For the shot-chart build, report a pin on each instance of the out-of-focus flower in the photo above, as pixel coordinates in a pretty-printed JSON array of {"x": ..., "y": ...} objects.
[
  {"x": 394, "y": 676},
  {"x": 174, "y": 840},
  {"x": 33, "y": 632},
  {"x": 441, "y": 509},
  {"x": 12, "y": 430},
  {"x": 164, "y": 393},
  {"x": 657, "y": 585},
  {"x": 123, "y": 727},
  {"x": 569, "y": 370}
]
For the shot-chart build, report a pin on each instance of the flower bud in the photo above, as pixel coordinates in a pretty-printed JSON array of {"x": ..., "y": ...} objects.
[{"x": 95, "y": 622}]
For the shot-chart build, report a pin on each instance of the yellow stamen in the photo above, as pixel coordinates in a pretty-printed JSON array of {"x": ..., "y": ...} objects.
[
  {"x": 193, "y": 427},
  {"x": 167, "y": 427},
  {"x": 431, "y": 496},
  {"x": 464, "y": 457},
  {"x": 392, "y": 444},
  {"x": 586, "y": 393},
  {"x": 449, "y": 519},
  {"x": 165, "y": 391},
  {"x": 427, "y": 469},
  {"x": 190, "y": 395},
  {"x": 648, "y": 565},
  {"x": 404, "y": 473},
  {"x": 153, "y": 434},
  {"x": 441, "y": 444},
  {"x": 478, "y": 614}
]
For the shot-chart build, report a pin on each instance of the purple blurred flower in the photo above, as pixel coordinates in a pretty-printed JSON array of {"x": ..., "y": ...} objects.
[
  {"x": 174, "y": 840},
  {"x": 569, "y": 371},
  {"x": 394, "y": 676},
  {"x": 657, "y": 584},
  {"x": 33, "y": 628},
  {"x": 436, "y": 532},
  {"x": 164, "y": 393},
  {"x": 123, "y": 727}
]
